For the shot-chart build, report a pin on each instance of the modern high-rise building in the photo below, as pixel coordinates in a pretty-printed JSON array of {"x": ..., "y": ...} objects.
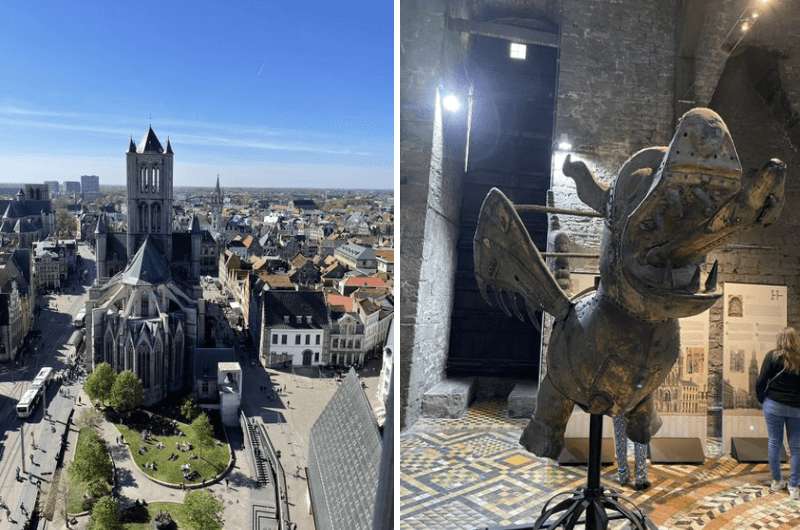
[
  {"x": 72, "y": 187},
  {"x": 90, "y": 187},
  {"x": 52, "y": 187}
]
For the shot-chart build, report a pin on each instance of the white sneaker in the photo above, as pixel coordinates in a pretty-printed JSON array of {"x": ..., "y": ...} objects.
[
  {"x": 777, "y": 485},
  {"x": 794, "y": 493}
]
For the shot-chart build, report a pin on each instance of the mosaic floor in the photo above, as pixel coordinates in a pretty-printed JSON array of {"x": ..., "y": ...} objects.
[{"x": 471, "y": 473}]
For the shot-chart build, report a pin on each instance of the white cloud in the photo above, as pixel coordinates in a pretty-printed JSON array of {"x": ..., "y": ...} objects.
[
  {"x": 184, "y": 131},
  {"x": 36, "y": 167}
]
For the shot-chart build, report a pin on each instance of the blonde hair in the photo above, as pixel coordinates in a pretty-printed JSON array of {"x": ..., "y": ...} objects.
[{"x": 789, "y": 349}]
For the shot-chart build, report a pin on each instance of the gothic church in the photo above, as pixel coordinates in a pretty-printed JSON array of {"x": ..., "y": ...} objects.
[{"x": 145, "y": 311}]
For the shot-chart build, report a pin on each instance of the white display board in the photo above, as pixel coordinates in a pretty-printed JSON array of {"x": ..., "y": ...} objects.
[
  {"x": 753, "y": 315},
  {"x": 682, "y": 400}
]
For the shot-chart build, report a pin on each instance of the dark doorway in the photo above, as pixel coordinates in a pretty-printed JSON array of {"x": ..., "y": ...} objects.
[
  {"x": 509, "y": 147},
  {"x": 307, "y": 358}
]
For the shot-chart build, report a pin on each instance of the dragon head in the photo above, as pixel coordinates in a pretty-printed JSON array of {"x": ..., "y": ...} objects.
[{"x": 670, "y": 206}]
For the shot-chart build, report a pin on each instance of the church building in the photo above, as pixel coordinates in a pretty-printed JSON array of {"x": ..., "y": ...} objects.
[{"x": 145, "y": 311}]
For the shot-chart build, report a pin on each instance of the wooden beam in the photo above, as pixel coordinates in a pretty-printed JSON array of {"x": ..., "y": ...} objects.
[
  {"x": 570, "y": 255},
  {"x": 504, "y": 31},
  {"x": 523, "y": 208}
]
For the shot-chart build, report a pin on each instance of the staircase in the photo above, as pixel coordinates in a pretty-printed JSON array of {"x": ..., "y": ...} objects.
[{"x": 260, "y": 459}]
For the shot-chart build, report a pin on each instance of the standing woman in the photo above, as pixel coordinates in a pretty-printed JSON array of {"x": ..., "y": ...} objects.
[{"x": 778, "y": 389}]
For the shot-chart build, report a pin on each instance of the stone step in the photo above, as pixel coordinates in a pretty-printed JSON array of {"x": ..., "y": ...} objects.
[
  {"x": 522, "y": 400},
  {"x": 449, "y": 398}
]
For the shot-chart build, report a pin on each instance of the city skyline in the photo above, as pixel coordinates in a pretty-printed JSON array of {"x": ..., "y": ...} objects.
[{"x": 263, "y": 119}]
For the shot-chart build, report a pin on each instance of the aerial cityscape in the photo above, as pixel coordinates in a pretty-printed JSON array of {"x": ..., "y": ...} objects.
[
  {"x": 196, "y": 269},
  {"x": 165, "y": 349}
]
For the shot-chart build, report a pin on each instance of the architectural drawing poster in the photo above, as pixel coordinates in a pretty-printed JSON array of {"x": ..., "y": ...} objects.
[
  {"x": 682, "y": 400},
  {"x": 753, "y": 315}
]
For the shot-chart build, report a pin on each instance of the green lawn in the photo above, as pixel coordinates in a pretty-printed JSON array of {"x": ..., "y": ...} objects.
[
  {"x": 210, "y": 461},
  {"x": 177, "y": 511},
  {"x": 76, "y": 488}
]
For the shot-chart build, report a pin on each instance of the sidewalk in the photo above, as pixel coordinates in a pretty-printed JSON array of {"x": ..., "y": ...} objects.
[{"x": 44, "y": 462}]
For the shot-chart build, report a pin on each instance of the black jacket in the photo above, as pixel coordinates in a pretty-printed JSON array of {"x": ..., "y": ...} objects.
[{"x": 785, "y": 388}]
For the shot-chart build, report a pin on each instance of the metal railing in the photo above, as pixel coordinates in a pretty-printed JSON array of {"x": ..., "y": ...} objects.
[{"x": 268, "y": 467}]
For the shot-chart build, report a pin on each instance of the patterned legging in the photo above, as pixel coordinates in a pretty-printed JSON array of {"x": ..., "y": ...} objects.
[{"x": 639, "y": 453}]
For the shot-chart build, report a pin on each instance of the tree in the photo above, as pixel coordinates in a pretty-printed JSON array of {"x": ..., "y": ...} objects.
[
  {"x": 99, "y": 383},
  {"x": 90, "y": 418},
  {"x": 98, "y": 488},
  {"x": 105, "y": 515},
  {"x": 203, "y": 431},
  {"x": 91, "y": 458},
  {"x": 203, "y": 510},
  {"x": 189, "y": 410},
  {"x": 127, "y": 392},
  {"x": 65, "y": 223}
]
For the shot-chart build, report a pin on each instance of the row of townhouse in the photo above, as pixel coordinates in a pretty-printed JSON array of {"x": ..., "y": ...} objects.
[
  {"x": 314, "y": 328},
  {"x": 17, "y": 301}
]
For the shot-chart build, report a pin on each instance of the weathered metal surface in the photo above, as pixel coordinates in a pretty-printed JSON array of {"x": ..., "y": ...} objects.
[{"x": 611, "y": 348}]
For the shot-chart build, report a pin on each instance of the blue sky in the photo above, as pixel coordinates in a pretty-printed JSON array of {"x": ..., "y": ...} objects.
[{"x": 265, "y": 93}]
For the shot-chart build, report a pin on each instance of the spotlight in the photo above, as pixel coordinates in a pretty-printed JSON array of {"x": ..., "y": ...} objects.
[
  {"x": 451, "y": 103},
  {"x": 754, "y": 15},
  {"x": 564, "y": 145},
  {"x": 517, "y": 51},
  {"x": 745, "y": 26}
]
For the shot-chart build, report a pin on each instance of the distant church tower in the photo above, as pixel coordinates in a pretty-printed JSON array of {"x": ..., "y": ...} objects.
[
  {"x": 216, "y": 209},
  {"x": 150, "y": 194}
]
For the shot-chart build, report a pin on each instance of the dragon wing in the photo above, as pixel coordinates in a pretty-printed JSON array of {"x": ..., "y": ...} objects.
[{"x": 509, "y": 269}]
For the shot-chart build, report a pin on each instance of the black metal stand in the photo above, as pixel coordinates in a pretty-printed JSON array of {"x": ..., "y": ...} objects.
[{"x": 600, "y": 506}]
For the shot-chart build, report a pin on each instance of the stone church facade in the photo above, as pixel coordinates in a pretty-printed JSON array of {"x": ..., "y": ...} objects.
[{"x": 145, "y": 315}]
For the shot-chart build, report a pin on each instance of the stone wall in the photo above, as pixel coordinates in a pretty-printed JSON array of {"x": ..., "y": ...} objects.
[
  {"x": 432, "y": 144},
  {"x": 615, "y": 91},
  {"x": 772, "y": 255}
]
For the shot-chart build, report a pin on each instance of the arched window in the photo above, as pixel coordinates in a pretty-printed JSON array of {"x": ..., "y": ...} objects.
[
  {"x": 157, "y": 180},
  {"x": 142, "y": 217},
  {"x": 109, "y": 349},
  {"x": 129, "y": 358},
  {"x": 178, "y": 355},
  {"x": 143, "y": 307},
  {"x": 143, "y": 364},
  {"x": 155, "y": 220},
  {"x": 158, "y": 355}
]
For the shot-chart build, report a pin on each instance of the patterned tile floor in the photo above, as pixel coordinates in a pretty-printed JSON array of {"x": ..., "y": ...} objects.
[{"x": 471, "y": 473}]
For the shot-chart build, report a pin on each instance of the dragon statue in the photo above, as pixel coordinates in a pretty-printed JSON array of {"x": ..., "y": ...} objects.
[{"x": 612, "y": 347}]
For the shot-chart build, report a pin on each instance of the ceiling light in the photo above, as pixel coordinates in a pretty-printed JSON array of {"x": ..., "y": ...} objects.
[
  {"x": 564, "y": 145},
  {"x": 518, "y": 51},
  {"x": 451, "y": 103}
]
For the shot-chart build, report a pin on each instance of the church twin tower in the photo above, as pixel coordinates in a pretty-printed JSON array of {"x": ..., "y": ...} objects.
[{"x": 150, "y": 194}]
